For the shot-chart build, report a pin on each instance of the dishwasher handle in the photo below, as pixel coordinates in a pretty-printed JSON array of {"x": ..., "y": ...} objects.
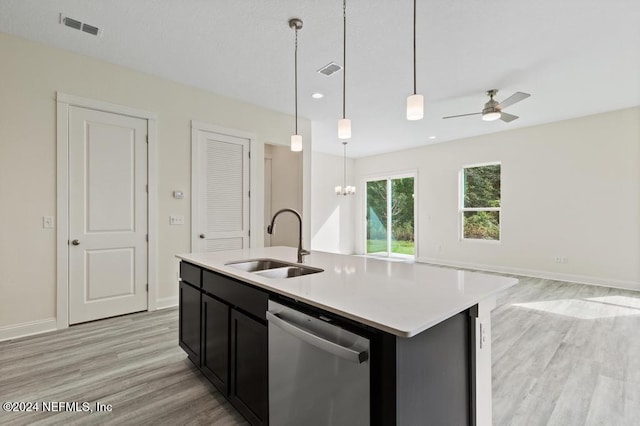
[{"x": 317, "y": 341}]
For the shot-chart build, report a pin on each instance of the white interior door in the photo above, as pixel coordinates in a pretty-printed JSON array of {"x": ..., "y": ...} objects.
[
  {"x": 222, "y": 194},
  {"x": 107, "y": 214}
]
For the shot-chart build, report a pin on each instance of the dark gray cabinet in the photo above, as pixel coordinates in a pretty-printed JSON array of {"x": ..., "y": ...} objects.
[
  {"x": 249, "y": 367},
  {"x": 215, "y": 342},
  {"x": 189, "y": 321},
  {"x": 223, "y": 329}
]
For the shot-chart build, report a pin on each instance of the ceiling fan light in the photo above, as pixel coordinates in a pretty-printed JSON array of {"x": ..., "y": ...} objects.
[
  {"x": 415, "y": 107},
  {"x": 491, "y": 116},
  {"x": 296, "y": 143},
  {"x": 344, "y": 128}
]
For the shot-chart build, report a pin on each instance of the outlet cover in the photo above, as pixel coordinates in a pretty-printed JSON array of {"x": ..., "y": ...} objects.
[{"x": 176, "y": 220}]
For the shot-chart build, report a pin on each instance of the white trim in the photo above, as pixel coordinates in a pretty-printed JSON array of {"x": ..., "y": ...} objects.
[
  {"x": 488, "y": 163},
  {"x": 549, "y": 275},
  {"x": 480, "y": 240},
  {"x": 480, "y": 209},
  {"x": 62, "y": 212},
  {"x": 152, "y": 213},
  {"x": 72, "y": 100},
  {"x": 254, "y": 211},
  {"x": 24, "y": 329},
  {"x": 195, "y": 185},
  {"x": 63, "y": 102},
  {"x": 392, "y": 175},
  {"x": 167, "y": 302}
]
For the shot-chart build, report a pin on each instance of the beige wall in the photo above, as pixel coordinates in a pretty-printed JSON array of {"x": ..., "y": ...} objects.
[
  {"x": 332, "y": 219},
  {"x": 569, "y": 189},
  {"x": 30, "y": 76},
  {"x": 286, "y": 192}
]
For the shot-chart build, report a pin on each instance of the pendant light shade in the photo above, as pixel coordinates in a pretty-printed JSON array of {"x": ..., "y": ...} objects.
[
  {"x": 415, "y": 107},
  {"x": 344, "y": 128},
  {"x": 415, "y": 102},
  {"x": 296, "y": 143},
  {"x": 344, "y": 124},
  {"x": 296, "y": 140}
]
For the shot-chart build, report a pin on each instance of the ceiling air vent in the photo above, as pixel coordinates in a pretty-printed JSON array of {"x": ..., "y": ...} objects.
[
  {"x": 90, "y": 29},
  {"x": 330, "y": 69},
  {"x": 72, "y": 23},
  {"x": 78, "y": 25}
]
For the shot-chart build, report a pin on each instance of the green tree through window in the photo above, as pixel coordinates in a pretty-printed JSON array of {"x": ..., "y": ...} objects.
[
  {"x": 390, "y": 208},
  {"x": 481, "y": 202}
]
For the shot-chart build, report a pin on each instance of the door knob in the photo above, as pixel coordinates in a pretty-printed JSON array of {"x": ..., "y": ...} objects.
[
  {"x": 202, "y": 236},
  {"x": 75, "y": 242}
]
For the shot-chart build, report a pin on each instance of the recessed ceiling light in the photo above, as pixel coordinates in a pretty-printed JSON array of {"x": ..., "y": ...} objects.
[
  {"x": 317, "y": 96},
  {"x": 432, "y": 137}
]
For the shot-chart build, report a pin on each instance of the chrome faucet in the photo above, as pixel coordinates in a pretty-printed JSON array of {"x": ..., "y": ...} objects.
[{"x": 301, "y": 251}]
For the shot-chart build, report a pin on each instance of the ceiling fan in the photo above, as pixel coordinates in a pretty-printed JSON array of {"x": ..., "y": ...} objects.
[{"x": 493, "y": 109}]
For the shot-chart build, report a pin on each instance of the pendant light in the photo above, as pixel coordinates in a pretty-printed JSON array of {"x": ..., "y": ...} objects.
[
  {"x": 296, "y": 139},
  {"x": 345, "y": 189},
  {"x": 415, "y": 102},
  {"x": 344, "y": 124}
]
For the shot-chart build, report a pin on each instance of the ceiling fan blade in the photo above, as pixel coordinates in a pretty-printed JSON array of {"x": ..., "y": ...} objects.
[
  {"x": 506, "y": 117},
  {"x": 516, "y": 97},
  {"x": 462, "y": 115}
]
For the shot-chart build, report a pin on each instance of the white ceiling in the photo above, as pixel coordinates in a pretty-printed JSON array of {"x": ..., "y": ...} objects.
[{"x": 576, "y": 57}]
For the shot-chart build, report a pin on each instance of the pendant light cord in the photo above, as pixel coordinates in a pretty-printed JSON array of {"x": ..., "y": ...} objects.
[
  {"x": 295, "y": 61},
  {"x": 414, "y": 47},
  {"x": 344, "y": 172},
  {"x": 344, "y": 57}
]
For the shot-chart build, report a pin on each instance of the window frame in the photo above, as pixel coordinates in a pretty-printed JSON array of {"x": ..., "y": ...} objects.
[{"x": 462, "y": 209}]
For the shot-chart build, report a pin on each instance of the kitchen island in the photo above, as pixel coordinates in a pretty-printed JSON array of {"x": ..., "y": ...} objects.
[{"x": 429, "y": 328}]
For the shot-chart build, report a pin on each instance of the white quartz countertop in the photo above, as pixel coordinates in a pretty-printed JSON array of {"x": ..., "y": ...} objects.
[{"x": 400, "y": 298}]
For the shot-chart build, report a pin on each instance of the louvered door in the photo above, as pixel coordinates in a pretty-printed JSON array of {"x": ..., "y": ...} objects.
[{"x": 222, "y": 192}]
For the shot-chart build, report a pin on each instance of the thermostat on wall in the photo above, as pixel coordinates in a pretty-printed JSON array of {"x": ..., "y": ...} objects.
[{"x": 178, "y": 195}]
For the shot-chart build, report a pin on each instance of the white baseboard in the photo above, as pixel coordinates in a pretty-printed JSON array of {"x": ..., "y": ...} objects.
[
  {"x": 557, "y": 276},
  {"x": 167, "y": 302},
  {"x": 10, "y": 332}
]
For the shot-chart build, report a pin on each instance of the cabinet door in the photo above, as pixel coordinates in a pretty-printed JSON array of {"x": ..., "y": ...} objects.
[
  {"x": 189, "y": 321},
  {"x": 249, "y": 390},
  {"x": 215, "y": 342}
]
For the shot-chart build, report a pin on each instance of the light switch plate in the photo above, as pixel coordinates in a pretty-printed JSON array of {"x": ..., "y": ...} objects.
[
  {"x": 176, "y": 220},
  {"x": 47, "y": 222}
]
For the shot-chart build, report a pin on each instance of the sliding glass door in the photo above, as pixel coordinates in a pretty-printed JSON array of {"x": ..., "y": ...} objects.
[{"x": 390, "y": 216}]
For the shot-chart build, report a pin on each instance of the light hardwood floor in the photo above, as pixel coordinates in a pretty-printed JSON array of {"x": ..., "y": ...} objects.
[
  {"x": 563, "y": 354},
  {"x": 131, "y": 362},
  {"x": 566, "y": 354}
]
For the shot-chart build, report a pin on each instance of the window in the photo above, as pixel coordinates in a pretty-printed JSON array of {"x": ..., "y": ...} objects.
[
  {"x": 480, "y": 202},
  {"x": 390, "y": 216}
]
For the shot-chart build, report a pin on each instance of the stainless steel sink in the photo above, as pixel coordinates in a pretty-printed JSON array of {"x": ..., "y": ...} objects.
[
  {"x": 257, "y": 264},
  {"x": 272, "y": 268},
  {"x": 290, "y": 272}
]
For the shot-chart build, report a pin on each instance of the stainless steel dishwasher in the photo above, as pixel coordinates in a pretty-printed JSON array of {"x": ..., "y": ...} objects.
[{"x": 318, "y": 372}]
